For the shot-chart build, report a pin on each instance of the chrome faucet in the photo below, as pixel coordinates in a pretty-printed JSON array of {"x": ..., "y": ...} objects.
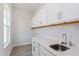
[{"x": 65, "y": 37}]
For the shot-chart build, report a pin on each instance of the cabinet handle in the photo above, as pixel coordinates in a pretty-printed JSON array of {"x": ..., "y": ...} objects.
[
  {"x": 58, "y": 15},
  {"x": 33, "y": 48},
  {"x": 40, "y": 21}
]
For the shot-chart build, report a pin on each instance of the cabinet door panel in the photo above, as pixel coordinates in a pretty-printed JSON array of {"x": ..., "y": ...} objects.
[
  {"x": 32, "y": 22},
  {"x": 41, "y": 53},
  {"x": 42, "y": 15},
  {"x": 44, "y": 52},
  {"x": 70, "y": 11},
  {"x": 53, "y": 12},
  {"x": 34, "y": 48},
  {"x": 35, "y": 21}
]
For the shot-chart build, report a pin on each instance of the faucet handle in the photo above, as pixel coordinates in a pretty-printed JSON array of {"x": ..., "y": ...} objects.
[{"x": 63, "y": 43}]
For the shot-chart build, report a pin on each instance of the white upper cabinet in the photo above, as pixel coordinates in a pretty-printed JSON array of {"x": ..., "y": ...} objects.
[
  {"x": 32, "y": 22},
  {"x": 69, "y": 11},
  {"x": 42, "y": 15},
  {"x": 62, "y": 11},
  {"x": 53, "y": 12},
  {"x": 35, "y": 21}
]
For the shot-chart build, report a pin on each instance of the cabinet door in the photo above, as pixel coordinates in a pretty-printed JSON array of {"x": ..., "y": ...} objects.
[
  {"x": 32, "y": 22},
  {"x": 34, "y": 48},
  {"x": 42, "y": 15},
  {"x": 53, "y": 12},
  {"x": 70, "y": 11},
  {"x": 43, "y": 51},
  {"x": 35, "y": 21}
]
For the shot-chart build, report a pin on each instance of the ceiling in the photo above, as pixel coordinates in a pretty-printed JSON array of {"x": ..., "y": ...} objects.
[{"x": 31, "y": 7}]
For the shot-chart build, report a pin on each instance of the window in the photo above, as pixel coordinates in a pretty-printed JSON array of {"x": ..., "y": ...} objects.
[{"x": 6, "y": 25}]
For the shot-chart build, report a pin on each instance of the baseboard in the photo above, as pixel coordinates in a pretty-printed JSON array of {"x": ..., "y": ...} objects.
[
  {"x": 10, "y": 51},
  {"x": 27, "y": 43}
]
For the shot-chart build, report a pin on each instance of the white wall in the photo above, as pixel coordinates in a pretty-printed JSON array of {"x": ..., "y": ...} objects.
[
  {"x": 72, "y": 31},
  {"x": 22, "y": 33},
  {"x": 20, "y": 29}
]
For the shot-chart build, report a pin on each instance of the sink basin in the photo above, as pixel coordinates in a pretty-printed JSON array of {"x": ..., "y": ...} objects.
[{"x": 59, "y": 47}]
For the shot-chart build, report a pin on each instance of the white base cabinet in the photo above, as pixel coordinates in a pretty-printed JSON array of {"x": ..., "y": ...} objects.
[
  {"x": 44, "y": 52},
  {"x": 39, "y": 50},
  {"x": 34, "y": 48}
]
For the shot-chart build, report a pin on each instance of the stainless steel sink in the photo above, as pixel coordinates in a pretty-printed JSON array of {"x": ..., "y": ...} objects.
[{"x": 59, "y": 47}]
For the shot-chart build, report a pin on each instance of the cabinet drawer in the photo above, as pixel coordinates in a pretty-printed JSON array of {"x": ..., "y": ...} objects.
[{"x": 44, "y": 51}]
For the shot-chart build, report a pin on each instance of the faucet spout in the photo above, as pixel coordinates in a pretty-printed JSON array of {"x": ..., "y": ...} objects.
[{"x": 65, "y": 37}]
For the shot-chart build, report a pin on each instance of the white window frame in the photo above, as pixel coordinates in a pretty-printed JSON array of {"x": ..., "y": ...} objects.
[{"x": 6, "y": 25}]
